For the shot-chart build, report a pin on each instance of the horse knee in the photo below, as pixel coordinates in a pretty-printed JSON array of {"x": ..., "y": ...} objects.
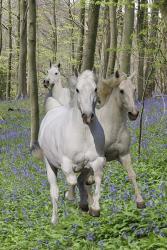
[
  {"x": 71, "y": 179},
  {"x": 132, "y": 175}
]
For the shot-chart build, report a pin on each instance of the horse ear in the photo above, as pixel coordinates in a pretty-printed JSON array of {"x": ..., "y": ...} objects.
[
  {"x": 117, "y": 75},
  {"x": 131, "y": 77},
  {"x": 76, "y": 72},
  {"x": 50, "y": 63},
  {"x": 94, "y": 70},
  {"x": 58, "y": 65}
]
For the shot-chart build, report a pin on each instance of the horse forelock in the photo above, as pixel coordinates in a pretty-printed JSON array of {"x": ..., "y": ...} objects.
[
  {"x": 106, "y": 86},
  {"x": 87, "y": 76}
]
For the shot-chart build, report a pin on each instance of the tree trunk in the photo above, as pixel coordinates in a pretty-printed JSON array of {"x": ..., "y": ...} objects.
[
  {"x": 141, "y": 28},
  {"x": 22, "y": 78},
  {"x": 152, "y": 49},
  {"x": 127, "y": 37},
  {"x": 32, "y": 72},
  {"x": 18, "y": 41},
  {"x": 81, "y": 38},
  {"x": 113, "y": 38},
  {"x": 54, "y": 32},
  {"x": 8, "y": 86},
  {"x": 106, "y": 42},
  {"x": 163, "y": 9},
  {"x": 90, "y": 43},
  {"x": 71, "y": 35},
  {"x": 0, "y": 26}
]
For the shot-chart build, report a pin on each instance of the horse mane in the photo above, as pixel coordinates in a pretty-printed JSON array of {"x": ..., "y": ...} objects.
[{"x": 105, "y": 86}]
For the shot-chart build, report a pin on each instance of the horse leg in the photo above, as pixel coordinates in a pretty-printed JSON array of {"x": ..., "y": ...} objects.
[
  {"x": 97, "y": 167},
  {"x": 54, "y": 192},
  {"x": 82, "y": 190},
  {"x": 67, "y": 168},
  {"x": 70, "y": 194},
  {"x": 126, "y": 162}
]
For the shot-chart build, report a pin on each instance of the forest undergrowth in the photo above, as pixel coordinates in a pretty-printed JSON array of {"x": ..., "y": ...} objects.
[{"x": 25, "y": 206}]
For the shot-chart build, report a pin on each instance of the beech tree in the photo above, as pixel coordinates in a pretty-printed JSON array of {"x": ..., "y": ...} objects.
[
  {"x": 90, "y": 42},
  {"x": 32, "y": 72},
  {"x": 127, "y": 36},
  {"x": 22, "y": 76}
]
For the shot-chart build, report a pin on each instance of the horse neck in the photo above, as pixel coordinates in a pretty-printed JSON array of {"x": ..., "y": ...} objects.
[
  {"x": 112, "y": 113},
  {"x": 75, "y": 113},
  {"x": 57, "y": 87}
]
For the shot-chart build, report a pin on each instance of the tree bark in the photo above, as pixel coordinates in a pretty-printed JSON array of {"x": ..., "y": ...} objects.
[
  {"x": 54, "y": 32},
  {"x": 113, "y": 38},
  {"x": 127, "y": 37},
  {"x": 81, "y": 38},
  {"x": 32, "y": 72},
  {"x": 163, "y": 9},
  {"x": 22, "y": 78},
  {"x": 18, "y": 41},
  {"x": 141, "y": 29},
  {"x": 152, "y": 48},
  {"x": 0, "y": 26},
  {"x": 71, "y": 35},
  {"x": 90, "y": 43},
  {"x": 8, "y": 86},
  {"x": 106, "y": 42}
]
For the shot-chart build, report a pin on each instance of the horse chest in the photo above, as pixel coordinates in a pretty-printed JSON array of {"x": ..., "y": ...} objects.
[{"x": 80, "y": 146}]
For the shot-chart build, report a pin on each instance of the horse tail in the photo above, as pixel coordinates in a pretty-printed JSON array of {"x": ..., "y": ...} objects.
[{"x": 36, "y": 151}]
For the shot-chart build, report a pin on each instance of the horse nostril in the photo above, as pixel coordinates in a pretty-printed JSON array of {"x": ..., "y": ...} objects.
[
  {"x": 83, "y": 115},
  {"x": 92, "y": 116},
  {"x": 43, "y": 81},
  {"x": 47, "y": 81}
]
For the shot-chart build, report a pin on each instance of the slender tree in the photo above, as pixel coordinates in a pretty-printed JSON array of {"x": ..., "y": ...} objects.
[
  {"x": 0, "y": 26},
  {"x": 90, "y": 43},
  {"x": 71, "y": 34},
  {"x": 141, "y": 30},
  {"x": 22, "y": 78},
  {"x": 8, "y": 85},
  {"x": 163, "y": 9},
  {"x": 152, "y": 48},
  {"x": 127, "y": 36},
  {"x": 32, "y": 73},
  {"x": 18, "y": 40},
  {"x": 81, "y": 37},
  {"x": 105, "y": 42},
  {"x": 54, "y": 32},
  {"x": 113, "y": 38}
]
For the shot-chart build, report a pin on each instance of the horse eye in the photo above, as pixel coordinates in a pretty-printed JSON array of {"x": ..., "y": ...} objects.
[
  {"x": 77, "y": 90},
  {"x": 121, "y": 91},
  {"x": 56, "y": 73},
  {"x": 95, "y": 89}
]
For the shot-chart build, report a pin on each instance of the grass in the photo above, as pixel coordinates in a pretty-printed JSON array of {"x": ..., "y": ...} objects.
[{"x": 25, "y": 206}]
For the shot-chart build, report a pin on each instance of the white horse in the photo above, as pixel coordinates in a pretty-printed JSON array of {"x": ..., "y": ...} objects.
[
  {"x": 72, "y": 136},
  {"x": 118, "y": 102},
  {"x": 118, "y": 99},
  {"x": 56, "y": 90}
]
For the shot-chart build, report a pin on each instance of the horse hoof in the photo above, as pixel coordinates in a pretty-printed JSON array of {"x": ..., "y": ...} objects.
[
  {"x": 94, "y": 213},
  {"x": 141, "y": 204},
  {"x": 90, "y": 180},
  {"x": 69, "y": 197},
  {"x": 84, "y": 207}
]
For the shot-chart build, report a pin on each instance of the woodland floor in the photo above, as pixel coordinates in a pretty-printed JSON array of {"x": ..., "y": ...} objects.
[{"x": 25, "y": 206}]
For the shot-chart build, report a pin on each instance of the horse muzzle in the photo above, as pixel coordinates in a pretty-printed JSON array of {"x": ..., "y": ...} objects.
[
  {"x": 133, "y": 115},
  {"x": 46, "y": 83},
  {"x": 87, "y": 119}
]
